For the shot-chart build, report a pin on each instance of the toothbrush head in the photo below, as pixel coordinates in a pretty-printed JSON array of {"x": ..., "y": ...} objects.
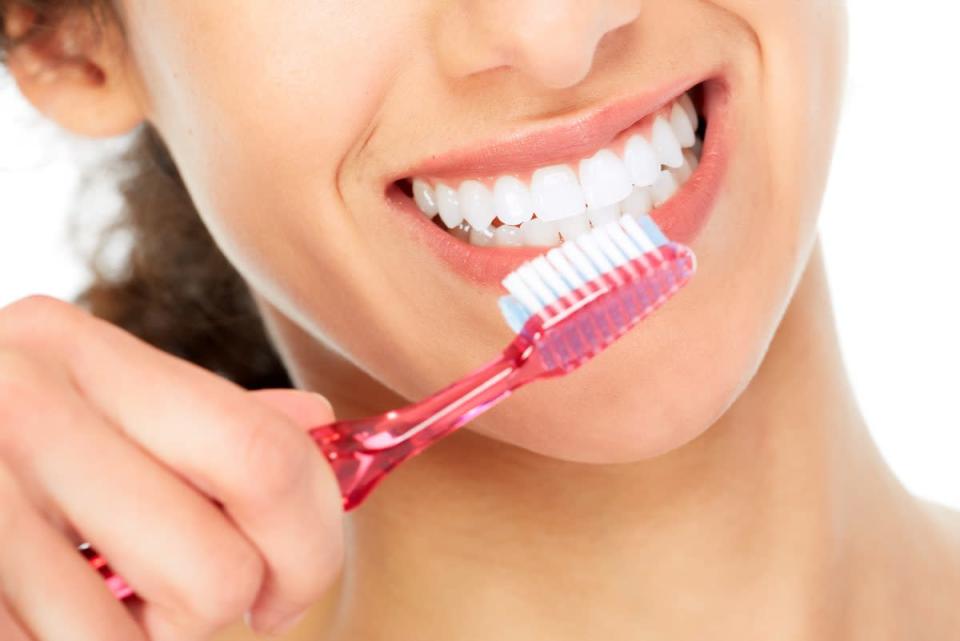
[{"x": 578, "y": 298}]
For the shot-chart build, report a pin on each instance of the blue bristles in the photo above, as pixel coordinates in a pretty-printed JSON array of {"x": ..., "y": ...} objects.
[
  {"x": 514, "y": 312},
  {"x": 647, "y": 224}
]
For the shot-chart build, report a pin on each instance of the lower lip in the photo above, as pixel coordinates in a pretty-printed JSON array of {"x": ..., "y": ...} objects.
[{"x": 681, "y": 218}]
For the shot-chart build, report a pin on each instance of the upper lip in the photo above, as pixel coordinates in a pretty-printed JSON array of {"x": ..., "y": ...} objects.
[{"x": 574, "y": 136}]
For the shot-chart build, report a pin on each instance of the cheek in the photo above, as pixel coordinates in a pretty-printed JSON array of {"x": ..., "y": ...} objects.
[
  {"x": 260, "y": 105},
  {"x": 803, "y": 48}
]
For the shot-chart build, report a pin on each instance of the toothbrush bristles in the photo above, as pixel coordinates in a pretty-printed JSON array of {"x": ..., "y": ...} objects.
[{"x": 603, "y": 282}]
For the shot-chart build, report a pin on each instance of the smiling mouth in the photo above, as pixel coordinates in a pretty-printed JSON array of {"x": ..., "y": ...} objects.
[{"x": 638, "y": 172}]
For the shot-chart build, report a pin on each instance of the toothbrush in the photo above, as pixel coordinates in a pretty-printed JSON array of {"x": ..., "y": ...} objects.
[{"x": 565, "y": 306}]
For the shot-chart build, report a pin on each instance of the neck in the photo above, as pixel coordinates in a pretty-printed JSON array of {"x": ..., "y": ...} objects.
[{"x": 761, "y": 524}]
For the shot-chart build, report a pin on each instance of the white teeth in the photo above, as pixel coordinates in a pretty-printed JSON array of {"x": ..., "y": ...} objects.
[
  {"x": 481, "y": 236},
  {"x": 689, "y": 166},
  {"x": 564, "y": 201},
  {"x": 603, "y": 215},
  {"x": 556, "y": 193},
  {"x": 664, "y": 188},
  {"x": 638, "y": 203},
  {"x": 665, "y": 143},
  {"x": 573, "y": 226},
  {"x": 511, "y": 201},
  {"x": 507, "y": 236},
  {"x": 449, "y": 206},
  {"x": 680, "y": 122},
  {"x": 476, "y": 203},
  {"x": 641, "y": 161},
  {"x": 425, "y": 198},
  {"x": 687, "y": 103},
  {"x": 539, "y": 232},
  {"x": 604, "y": 179}
]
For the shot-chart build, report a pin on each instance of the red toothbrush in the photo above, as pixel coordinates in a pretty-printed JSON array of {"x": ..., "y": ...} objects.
[{"x": 566, "y": 307}]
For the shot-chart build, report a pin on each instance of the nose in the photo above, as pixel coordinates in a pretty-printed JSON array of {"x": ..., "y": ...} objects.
[{"x": 553, "y": 42}]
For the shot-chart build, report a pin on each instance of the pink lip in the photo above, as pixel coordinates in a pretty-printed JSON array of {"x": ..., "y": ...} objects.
[{"x": 681, "y": 218}]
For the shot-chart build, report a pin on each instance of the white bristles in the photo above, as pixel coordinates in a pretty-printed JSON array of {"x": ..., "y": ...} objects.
[
  {"x": 540, "y": 282},
  {"x": 638, "y": 235},
  {"x": 591, "y": 247},
  {"x": 579, "y": 261},
  {"x": 627, "y": 246},
  {"x": 519, "y": 291},
  {"x": 610, "y": 248},
  {"x": 553, "y": 280},
  {"x": 563, "y": 267},
  {"x": 536, "y": 284}
]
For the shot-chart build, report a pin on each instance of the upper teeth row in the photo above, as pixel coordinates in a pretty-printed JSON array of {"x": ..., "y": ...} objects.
[{"x": 557, "y": 192}]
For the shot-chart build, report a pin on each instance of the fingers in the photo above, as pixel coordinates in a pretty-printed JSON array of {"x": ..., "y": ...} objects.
[
  {"x": 270, "y": 477},
  {"x": 305, "y": 410},
  {"x": 50, "y": 591},
  {"x": 196, "y": 572},
  {"x": 272, "y": 480}
]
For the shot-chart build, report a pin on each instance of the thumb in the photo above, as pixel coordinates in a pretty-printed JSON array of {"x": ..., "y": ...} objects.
[{"x": 306, "y": 409}]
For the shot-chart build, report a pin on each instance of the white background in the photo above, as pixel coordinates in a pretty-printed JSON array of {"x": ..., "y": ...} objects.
[{"x": 892, "y": 194}]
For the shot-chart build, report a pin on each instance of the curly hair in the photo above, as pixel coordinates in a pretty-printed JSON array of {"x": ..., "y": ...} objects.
[{"x": 175, "y": 290}]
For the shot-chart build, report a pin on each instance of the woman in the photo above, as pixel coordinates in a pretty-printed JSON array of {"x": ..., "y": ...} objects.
[{"x": 708, "y": 477}]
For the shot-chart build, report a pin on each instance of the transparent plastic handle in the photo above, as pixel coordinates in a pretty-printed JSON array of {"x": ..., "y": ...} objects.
[{"x": 362, "y": 452}]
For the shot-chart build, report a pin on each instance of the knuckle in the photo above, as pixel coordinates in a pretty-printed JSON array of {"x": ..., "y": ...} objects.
[
  {"x": 327, "y": 566},
  {"x": 274, "y": 461},
  {"x": 228, "y": 584},
  {"x": 312, "y": 579},
  {"x": 36, "y": 320},
  {"x": 323, "y": 551},
  {"x": 327, "y": 548},
  {"x": 36, "y": 303},
  {"x": 33, "y": 310}
]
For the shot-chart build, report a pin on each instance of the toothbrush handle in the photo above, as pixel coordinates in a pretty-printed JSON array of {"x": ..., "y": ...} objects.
[{"x": 363, "y": 451}]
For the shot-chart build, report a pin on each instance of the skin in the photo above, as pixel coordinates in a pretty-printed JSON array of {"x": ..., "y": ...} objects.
[{"x": 709, "y": 474}]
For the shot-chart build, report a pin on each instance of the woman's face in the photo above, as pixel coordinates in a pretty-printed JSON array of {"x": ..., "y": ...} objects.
[{"x": 292, "y": 121}]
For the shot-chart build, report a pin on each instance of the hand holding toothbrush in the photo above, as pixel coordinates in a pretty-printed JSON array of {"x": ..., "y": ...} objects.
[{"x": 209, "y": 499}]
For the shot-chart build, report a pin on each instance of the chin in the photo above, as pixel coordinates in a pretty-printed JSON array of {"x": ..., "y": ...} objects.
[{"x": 628, "y": 405}]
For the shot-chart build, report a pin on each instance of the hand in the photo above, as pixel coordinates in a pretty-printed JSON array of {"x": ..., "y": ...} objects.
[{"x": 210, "y": 501}]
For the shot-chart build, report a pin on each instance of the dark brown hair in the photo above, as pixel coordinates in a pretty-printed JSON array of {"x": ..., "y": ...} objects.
[{"x": 174, "y": 289}]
